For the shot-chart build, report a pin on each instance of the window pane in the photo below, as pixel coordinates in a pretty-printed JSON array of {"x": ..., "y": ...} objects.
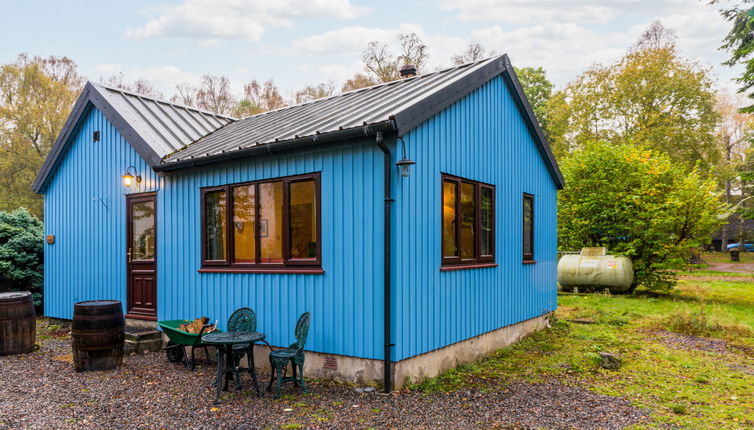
[
  {"x": 449, "y": 198},
  {"x": 468, "y": 220},
  {"x": 143, "y": 230},
  {"x": 486, "y": 222},
  {"x": 528, "y": 227},
  {"x": 215, "y": 207},
  {"x": 244, "y": 213},
  {"x": 271, "y": 222},
  {"x": 303, "y": 230}
]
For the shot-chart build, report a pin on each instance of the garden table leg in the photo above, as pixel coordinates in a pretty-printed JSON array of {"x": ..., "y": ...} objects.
[
  {"x": 220, "y": 373},
  {"x": 252, "y": 369},
  {"x": 229, "y": 366}
]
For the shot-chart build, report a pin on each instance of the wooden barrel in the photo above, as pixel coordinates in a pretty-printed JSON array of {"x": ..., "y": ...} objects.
[
  {"x": 98, "y": 334},
  {"x": 18, "y": 325}
]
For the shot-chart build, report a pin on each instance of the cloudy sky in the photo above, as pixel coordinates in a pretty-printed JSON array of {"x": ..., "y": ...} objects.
[{"x": 307, "y": 42}]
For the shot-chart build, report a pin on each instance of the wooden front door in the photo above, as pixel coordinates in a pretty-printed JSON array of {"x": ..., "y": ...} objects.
[{"x": 141, "y": 256}]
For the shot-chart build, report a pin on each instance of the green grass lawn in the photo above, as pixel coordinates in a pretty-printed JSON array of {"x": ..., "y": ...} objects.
[
  {"x": 724, "y": 257},
  {"x": 687, "y": 386}
]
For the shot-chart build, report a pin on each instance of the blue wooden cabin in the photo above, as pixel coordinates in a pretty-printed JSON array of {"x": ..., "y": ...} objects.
[{"x": 407, "y": 269}]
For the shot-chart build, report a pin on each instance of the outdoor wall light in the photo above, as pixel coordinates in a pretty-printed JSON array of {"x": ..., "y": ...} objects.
[
  {"x": 404, "y": 164},
  {"x": 128, "y": 178}
]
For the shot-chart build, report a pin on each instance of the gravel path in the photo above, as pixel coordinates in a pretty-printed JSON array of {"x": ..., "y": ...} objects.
[
  {"x": 149, "y": 392},
  {"x": 688, "y": 342},
  {"x": 732, "y": 267}
]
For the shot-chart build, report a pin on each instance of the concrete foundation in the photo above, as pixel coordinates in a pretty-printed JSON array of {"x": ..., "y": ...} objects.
[
  {"x": 433, "y": 363},
  {"x": 364, "y": 371},
  {"x": 141, "y": 324}
]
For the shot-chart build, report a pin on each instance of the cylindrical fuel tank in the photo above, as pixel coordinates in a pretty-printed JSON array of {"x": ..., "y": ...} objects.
[{"x": 593, "y": 268}]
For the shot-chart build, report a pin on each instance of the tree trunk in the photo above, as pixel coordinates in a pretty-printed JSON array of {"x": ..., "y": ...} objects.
[{"x": 724, "y": 227}]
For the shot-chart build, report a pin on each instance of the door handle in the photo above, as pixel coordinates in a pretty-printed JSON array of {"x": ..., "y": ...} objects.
[{"x": 129, "y": 255}]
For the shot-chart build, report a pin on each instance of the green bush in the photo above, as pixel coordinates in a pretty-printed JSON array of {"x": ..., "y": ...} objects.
[
  {"x": 21, "y": 253},
  {"x": 637, "y": 203}
]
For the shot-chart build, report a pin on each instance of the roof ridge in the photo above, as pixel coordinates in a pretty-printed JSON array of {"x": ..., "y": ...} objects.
[
  {"x": 160, "y": 100},
  {"x": 424, "y": 75},
  {"x": 371, "y": 87}
]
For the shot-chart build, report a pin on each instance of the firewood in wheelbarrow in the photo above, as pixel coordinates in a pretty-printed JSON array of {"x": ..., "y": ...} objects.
[{"x": 195, "y": 327}]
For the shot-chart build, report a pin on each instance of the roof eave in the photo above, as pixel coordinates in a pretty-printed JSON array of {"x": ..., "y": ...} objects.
[
  {"x": 286, "y": 145},
  {"x": 534, "y": 126}
]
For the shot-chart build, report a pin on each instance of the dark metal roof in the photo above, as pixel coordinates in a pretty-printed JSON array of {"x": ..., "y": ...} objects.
[
  {"x": 166, "y": 127},
  {"x": 155, "y": 128},
  {"x": 396, "y": 106},
  {"x": 169, "y": 136},
  {"x": 354, "y": 109}
]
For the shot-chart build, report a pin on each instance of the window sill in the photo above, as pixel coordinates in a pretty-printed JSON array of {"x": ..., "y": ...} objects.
[
  {"x": 450, "y": 268},
  {"x": 528, "y": 262},
  {"x": 271, "y": 270}
]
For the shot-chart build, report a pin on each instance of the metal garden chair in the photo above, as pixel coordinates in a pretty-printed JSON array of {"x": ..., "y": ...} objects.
[{"x": 294, "y": 354}]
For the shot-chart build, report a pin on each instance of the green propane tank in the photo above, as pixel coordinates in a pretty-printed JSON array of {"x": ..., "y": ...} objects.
[{"x": 593, "y": 268}]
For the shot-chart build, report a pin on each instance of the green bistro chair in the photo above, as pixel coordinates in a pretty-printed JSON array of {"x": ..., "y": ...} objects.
[
  {"x": 243, "y": 319},
  {"x": 294, "y": 354}
]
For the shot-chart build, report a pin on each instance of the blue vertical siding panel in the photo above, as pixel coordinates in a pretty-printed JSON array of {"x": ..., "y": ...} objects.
[
  {"x": 345, "y": 301},
  {"x": 481, "y": 137},
  {"x": 85, "y": 210}
]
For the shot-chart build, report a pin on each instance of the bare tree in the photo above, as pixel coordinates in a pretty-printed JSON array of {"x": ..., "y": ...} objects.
[
  {"x": 657, "y": 36},
  {"x": 381, "y": 65},
  {"x": 379, "y": 62},
  {"x": 358, "y": 80},
  {"x": 259, "y": 98},
  {"x": 414, "y": 51},
  {"x": 141, "y": 86},
  {"x": 214, "y": 95},
  {"x": 474, "y": 52},
  {"x": 313, "y": 92},
  {"x": 185, "y": 94}
]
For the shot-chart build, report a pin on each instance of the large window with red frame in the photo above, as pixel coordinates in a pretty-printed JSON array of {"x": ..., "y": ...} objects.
[{"x": 272, "y": 223}]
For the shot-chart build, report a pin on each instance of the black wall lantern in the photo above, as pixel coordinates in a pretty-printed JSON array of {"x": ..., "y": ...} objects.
[
  {"x": 128, "y": 178},
  {"x": 404, "y": 164}
]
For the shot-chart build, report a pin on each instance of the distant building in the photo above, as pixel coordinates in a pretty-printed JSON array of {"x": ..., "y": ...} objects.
[{"x": 734, "y": 227}]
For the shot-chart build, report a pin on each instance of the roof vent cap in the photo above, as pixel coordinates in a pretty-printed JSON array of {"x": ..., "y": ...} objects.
[{"x": 408, "y": 71}]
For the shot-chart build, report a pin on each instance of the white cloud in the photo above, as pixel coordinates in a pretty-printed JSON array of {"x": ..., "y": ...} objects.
[
  {"x": 212, "y": 20},
  {"x": 339, "y": 73},
  {"x": 564, "y": 50},
  {"x": 164, "y": 78},
  {"x": 350, "y": 40},
  {"x": 566, "y": 37},
  {"x": 525, "y": 11}
]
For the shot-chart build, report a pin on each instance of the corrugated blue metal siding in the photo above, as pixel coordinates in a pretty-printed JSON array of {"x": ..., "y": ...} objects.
[
  {"x": 345, "y": 302},
  {"x": 482, "y": 137},
  {"x": 85, "y": 210}
]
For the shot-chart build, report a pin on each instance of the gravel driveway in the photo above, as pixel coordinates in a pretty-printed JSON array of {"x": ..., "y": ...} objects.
[{"x": 149, "y": 392}]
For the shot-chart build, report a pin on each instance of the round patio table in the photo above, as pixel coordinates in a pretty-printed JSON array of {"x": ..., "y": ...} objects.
[{"x": 224, "y": 342}]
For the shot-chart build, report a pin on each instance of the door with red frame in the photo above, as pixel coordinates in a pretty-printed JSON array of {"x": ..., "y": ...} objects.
[{"x": 141, "y": 256}]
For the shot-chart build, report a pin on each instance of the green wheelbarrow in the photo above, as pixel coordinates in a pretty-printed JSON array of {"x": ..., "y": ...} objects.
[{"x": 179, "y": 340}]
